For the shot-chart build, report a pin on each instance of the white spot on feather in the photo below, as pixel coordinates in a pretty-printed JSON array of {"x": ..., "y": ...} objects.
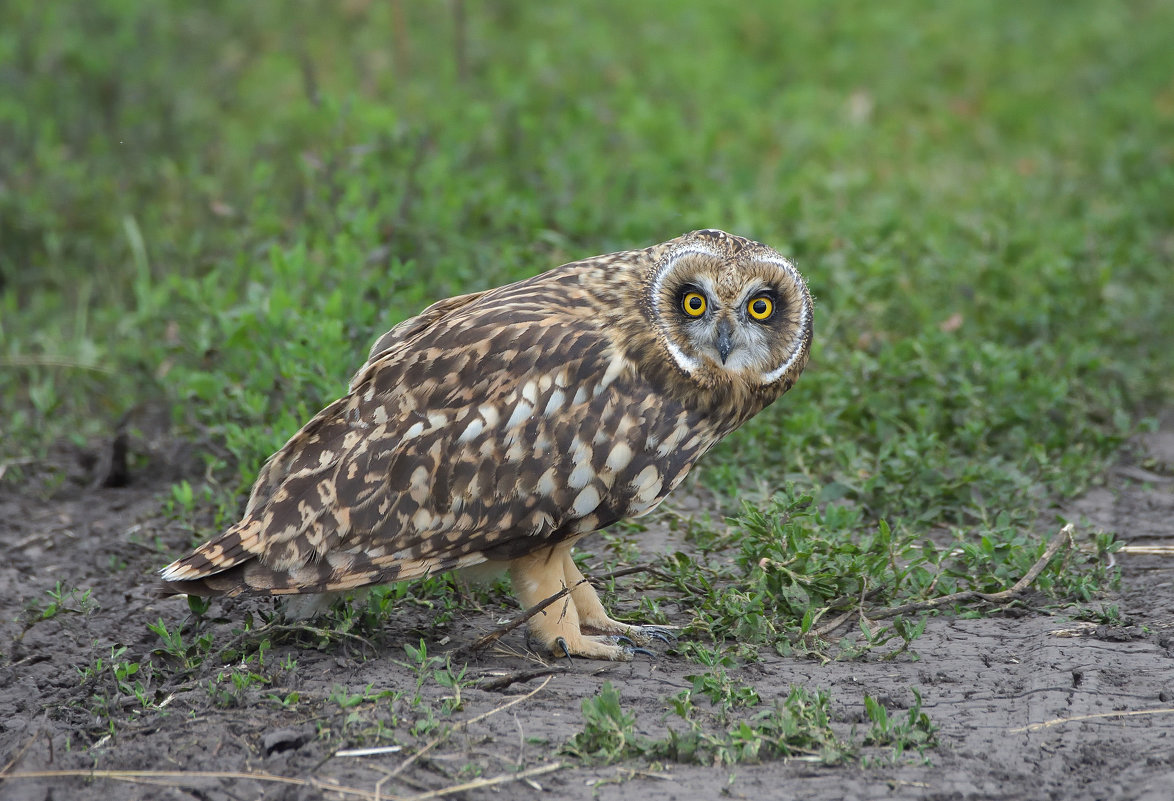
[
  {"x": 647, "y": 484},
  {"x": 491, "y": 415},
  {"x": 581, "y": 476},
  {"x": 422, "y": 520},
  {"x": 419, "y": 484},
  {"x": 614, "y": 368},
  {"x": 580, "y": 451},
  {"x": 522, "y": 413},
  {"x": 555, "y": 403},
  {"x": 472, "y": 430},
  {"x": 585, "y": 502},
  {"x": 416, "y": 430},
  {"x": 546, "y": 485},
  {"x": 619, "y": 457},
  {"x": 672, "y": 440}
]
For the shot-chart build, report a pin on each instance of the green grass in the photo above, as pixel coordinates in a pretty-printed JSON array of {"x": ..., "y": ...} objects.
[{"x": 211, "y": 210}]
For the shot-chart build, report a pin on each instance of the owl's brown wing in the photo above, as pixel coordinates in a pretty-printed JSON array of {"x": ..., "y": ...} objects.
[
  {"x": 507, "y": 424},
  {"x": 400, "y": 336}
]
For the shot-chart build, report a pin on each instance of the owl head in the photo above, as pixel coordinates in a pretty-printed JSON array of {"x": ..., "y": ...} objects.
[{"x": 730, "y": 310}]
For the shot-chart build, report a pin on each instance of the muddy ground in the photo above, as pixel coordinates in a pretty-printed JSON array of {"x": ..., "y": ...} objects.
[{"x": 1030, "y": 706}]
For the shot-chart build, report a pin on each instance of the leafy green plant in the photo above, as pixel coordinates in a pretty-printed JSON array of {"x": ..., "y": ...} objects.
[
  {"x": 188, "y": 654},
  {"x": 231, "y": 687},
  {"x": 62, "y": 600},
  {"x": 801, "y": 566},
  {"x": 608, "y": 733},
  {"x": 797, "y": 726},
  {"x": 913, "y": 731}
]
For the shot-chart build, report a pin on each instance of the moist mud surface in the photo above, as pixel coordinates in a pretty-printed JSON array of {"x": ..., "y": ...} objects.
[{"x": 1035, "y": 705}]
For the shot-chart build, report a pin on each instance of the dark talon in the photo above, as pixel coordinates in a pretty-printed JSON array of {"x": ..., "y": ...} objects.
[
  {"x": 560, "y": 642},
  {"x": 664, "y": 635},
  {"x": 644, "y": 651},
  {"x": 620, "y": 639}
]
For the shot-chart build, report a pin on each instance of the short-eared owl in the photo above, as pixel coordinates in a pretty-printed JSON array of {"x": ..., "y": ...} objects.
[{"x": 503, "y": 425}]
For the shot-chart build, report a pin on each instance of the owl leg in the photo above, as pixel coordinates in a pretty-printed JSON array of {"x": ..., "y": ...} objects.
[
  {"x": 593, "y": 616},
  {"x": 540, "y": 575}
]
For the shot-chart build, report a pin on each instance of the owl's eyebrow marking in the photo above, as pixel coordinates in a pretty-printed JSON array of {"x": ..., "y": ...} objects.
[
  {"x": 683, "y": 360},
  {"x": 796, "y": 344}
]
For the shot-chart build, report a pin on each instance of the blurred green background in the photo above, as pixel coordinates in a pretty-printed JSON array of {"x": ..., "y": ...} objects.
[{"x": 214, "y": 208}]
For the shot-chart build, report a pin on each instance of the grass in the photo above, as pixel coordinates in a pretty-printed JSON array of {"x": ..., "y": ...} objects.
[
  {"x": 797, "y": 726},
  {"x": 207, "y": 213}
]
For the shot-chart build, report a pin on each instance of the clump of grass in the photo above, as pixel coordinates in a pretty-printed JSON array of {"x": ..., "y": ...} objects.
[
  {"x": 797, "y": 726},
  {"x": 799, "y": 568},
  {"x": 913, "y": 731}
]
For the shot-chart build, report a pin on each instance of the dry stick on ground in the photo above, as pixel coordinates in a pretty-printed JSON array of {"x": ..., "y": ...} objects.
[
  {"x": 1059, "y": 541},
  {"x": 505, "y": 680},
  {"x": 464, "y": 724},
  {"x": 483, "y": 642},
  {"x": 477, "y": 784},
  {"x": 627, "y": 571},
  {"x": 163, "y": 778},
  {"x": 290, "y": 628},
  {"x": 186, "y": 775},
  {"x": 1057, "y": 721}
]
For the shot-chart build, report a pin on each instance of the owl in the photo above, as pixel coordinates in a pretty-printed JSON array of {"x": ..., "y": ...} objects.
[{"x": 497, "y": 428}]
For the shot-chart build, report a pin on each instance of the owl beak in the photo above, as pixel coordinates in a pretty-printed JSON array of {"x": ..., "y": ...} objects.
[{"x": 724, "y": 341}]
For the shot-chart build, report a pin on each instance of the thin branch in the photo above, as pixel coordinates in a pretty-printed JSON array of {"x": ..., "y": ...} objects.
[
  {"x": 503, "y": 681},
  {"x": 464, "y": 724},
  {"x": 627, "y": 571},
  {"x": 186, "y": 775},
  {"x": 53, "y": 361},
  {"x": 1063, "y": 538},
  {"x": 483, "y": 642},
  {"x": 1058, "y": 721},
  {"x": 479, "y": 783}
]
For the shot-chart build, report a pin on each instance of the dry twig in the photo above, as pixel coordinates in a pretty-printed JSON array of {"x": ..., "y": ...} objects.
[
  {"x": 505, "y": 680},
  {"x": 464, "y": 724},
  {"x": 1057, "y": 721},
  {"x": 489, "y": 639},
  {"x": 1063, "y": 538},
  {"x": 1058, "y": 542}
]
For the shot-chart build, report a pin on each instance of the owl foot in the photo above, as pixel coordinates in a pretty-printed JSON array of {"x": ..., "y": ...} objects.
[
  {"x": 609, "y": 648},
  {"x": 639, "y": 635}
]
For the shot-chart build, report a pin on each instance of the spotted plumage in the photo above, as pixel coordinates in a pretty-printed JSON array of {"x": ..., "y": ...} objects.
[{"x": 501, "y": 426}]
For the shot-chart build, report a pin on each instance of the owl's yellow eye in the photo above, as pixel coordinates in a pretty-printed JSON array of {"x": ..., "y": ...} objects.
[
  {"x": 694, "y": 304},
  {"x": 760, "y": 307}
]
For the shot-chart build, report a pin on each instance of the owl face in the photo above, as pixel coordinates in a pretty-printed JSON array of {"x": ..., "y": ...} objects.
[{"x": 728, "y": 307}]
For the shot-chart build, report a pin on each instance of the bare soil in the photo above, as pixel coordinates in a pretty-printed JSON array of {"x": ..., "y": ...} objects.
[{"x": 1029, "y": 706}]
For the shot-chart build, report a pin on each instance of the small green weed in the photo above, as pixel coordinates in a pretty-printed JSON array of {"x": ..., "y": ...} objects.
[
  {"x": 231, "y": 687},
  {"x": 62, "y": 600},
  {"x": 913, "y": 731},
  {"x": 113, "y": 679},
  {"x": 608, "y": 733},
  {"x": 797, "y": 726},
  {"x": 189, "y": 655}
]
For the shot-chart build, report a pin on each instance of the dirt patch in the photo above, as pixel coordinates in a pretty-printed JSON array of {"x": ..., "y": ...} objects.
[{"x": 1037, "y": 706}]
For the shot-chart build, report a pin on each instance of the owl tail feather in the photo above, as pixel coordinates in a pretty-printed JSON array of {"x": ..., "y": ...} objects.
[{"x": 337, "y": 572}]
